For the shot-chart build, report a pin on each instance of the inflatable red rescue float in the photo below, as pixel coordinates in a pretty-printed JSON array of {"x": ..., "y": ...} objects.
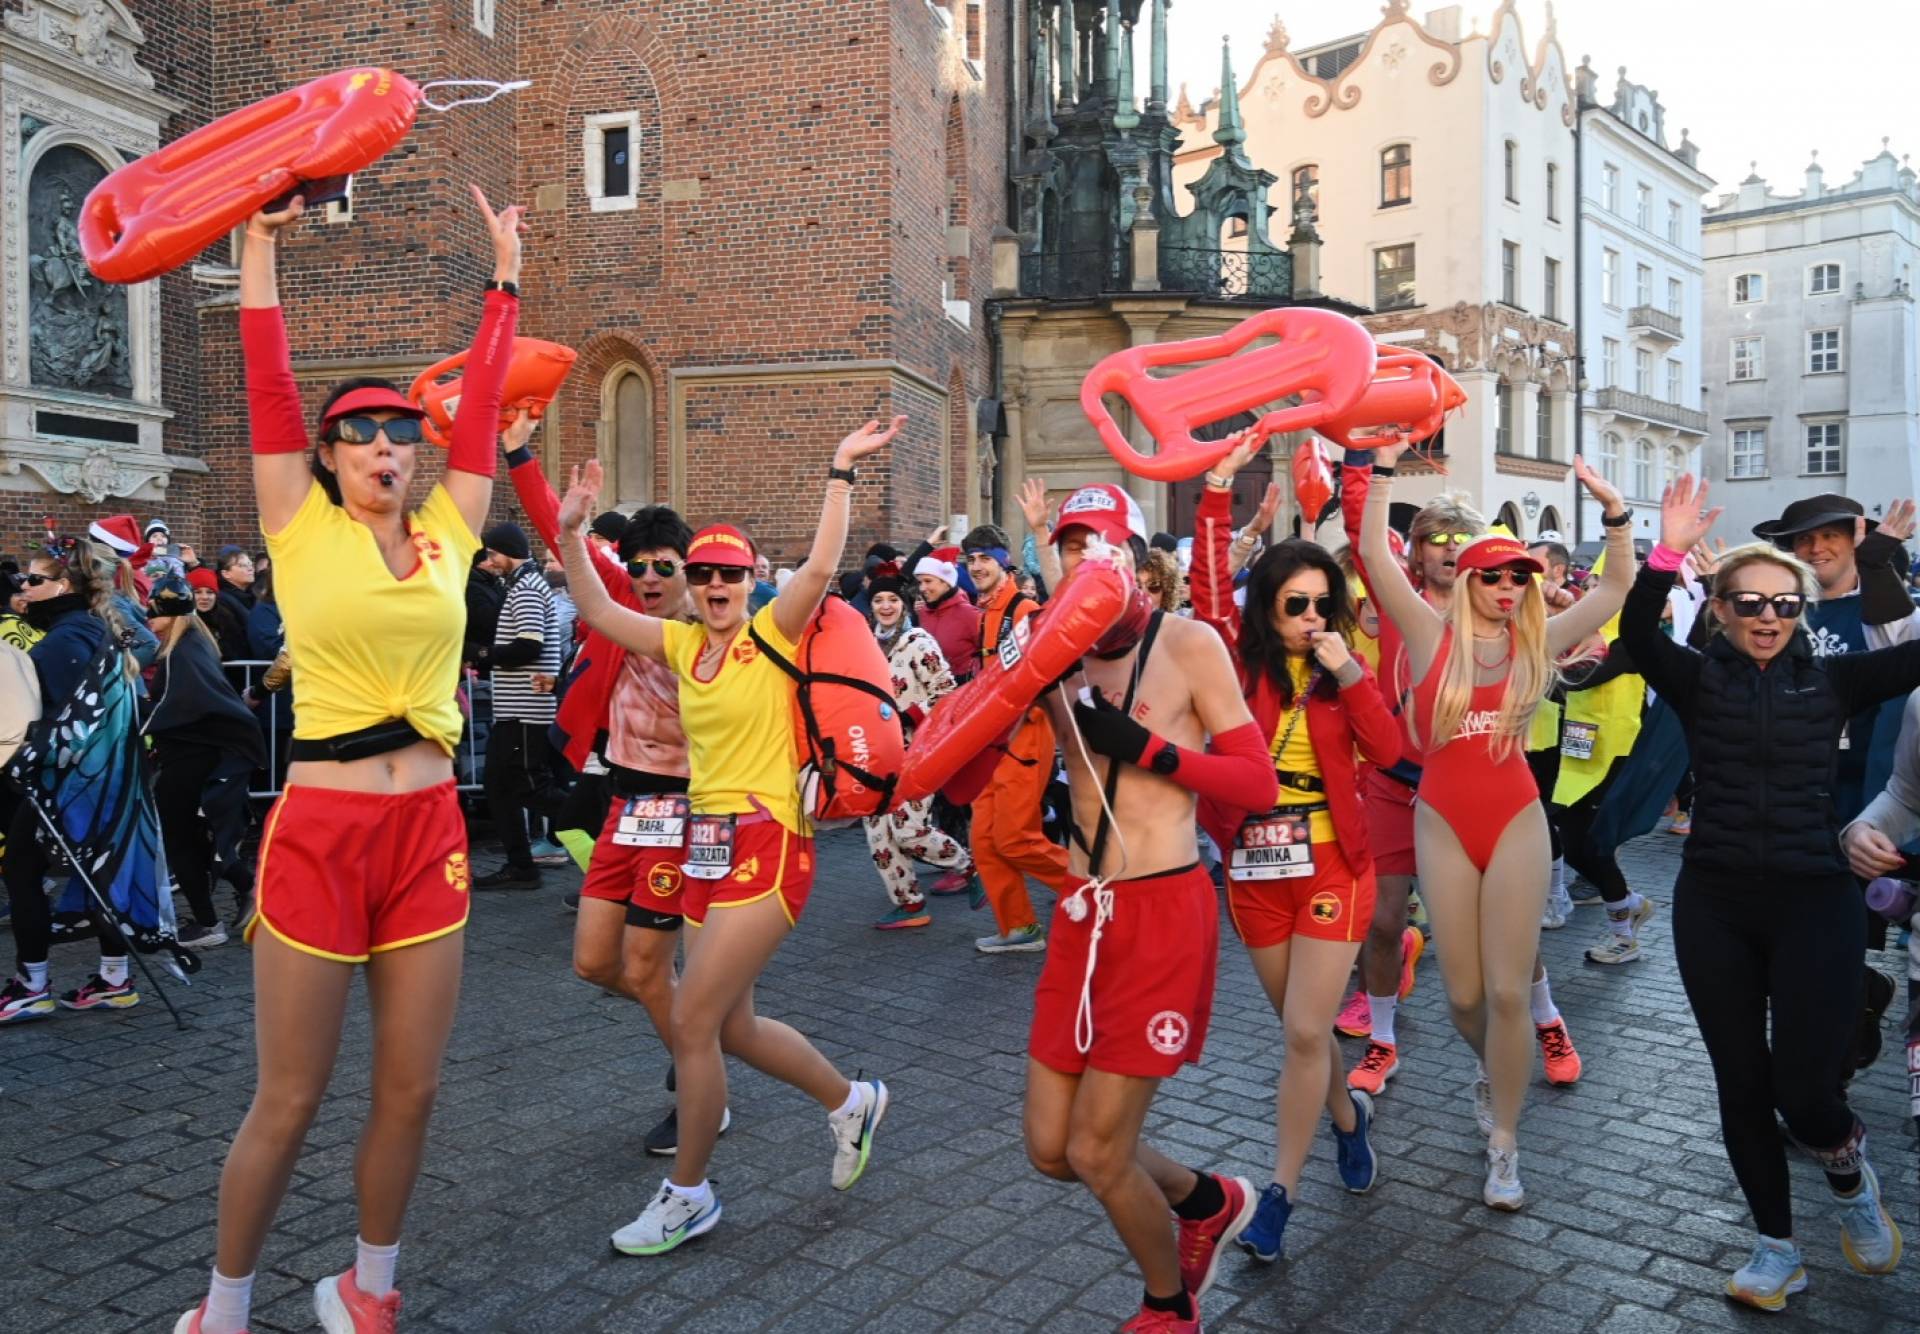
[
  {"x": 1408, "y": 401},
  {"x": 1322, "y": 356},
  {"x": 153, "y": 215},
  {"x": 534, "y": 376},
  {"x": 1038, "y": 651},
  {"x": 1312, "y": 482}
]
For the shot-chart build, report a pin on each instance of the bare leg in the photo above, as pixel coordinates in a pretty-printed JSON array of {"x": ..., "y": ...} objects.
[
  {"x": 1048, "y": 1121},
  {"x": 1450, "y": 887},
  {"x": 596, "y": 942},
  {"x": 646, "y": 974},
  {"x": 414, "y": 992},
  {"x": 1512, "y": 899},
  {"x": 1103, "y": 1149},
  {"x": 1380, "y": 958},
  {"x": 300, "y": 1002},
  {"x": 1305, "y": 990}
]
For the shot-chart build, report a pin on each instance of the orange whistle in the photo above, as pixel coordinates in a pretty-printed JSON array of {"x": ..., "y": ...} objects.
[{"x": 534, "y": 376}]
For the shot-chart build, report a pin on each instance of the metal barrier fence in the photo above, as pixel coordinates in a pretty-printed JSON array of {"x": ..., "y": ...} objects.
[{"x": 468, "y": 760}]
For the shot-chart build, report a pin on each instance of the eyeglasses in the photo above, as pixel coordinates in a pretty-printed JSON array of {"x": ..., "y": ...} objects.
[
  {"x": 35, "y": 580},
  {"x": 1787, "y": 606},
  {"x": 1450, "y": 539},
  {"x": 362, "y": 430},
  {"x": 1297, "y": 603},
  {"x": 664, "y": 568},
  {"x": 1504, "y": 576},
  {"x": 701, "y": 575}
]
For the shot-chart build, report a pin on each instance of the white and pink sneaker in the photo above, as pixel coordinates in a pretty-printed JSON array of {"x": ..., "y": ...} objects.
[{"x": 344, "y": 1309}]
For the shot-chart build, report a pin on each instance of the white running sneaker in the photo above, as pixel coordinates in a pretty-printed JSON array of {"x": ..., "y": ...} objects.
[
  {"x": 1483, "y": 1103},
  {"x": 853, "y": 1132},
  {"x": 668, "y": 1220},
  {"x": 1769, "y": 1276},
  {"x": 1558, "y": 909},
  {"x": 1868, "y": 1234},
  {"x": 1614, "y": 949},
  {"x": 1503, "y": 1190}
]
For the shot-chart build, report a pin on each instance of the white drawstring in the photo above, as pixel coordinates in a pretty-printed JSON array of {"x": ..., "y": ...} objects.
[
  {"x": 498, "y": 88},
  {"x": 1075, "y": 904}
]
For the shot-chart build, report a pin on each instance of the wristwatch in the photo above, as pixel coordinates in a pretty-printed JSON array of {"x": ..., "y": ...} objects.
[
  {"x": 1165, "y": 760},
  {"x": 846, "y": 475},
  {"x": 1620, "y": 520},
  {"x": 510, "y": 288}
]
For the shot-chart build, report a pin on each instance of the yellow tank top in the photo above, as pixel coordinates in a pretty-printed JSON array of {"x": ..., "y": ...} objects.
[
  {"x": 1292, "y": 750},
  {"x": 365, "y": 646}
]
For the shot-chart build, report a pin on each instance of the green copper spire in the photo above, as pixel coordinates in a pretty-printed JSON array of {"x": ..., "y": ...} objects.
[
  {"x": 1157, "y": 91},
  {"x": 1230, "y": 132},
  {"x": 1064, "y": 38},
  {"x": 1127, "y": 115},
  {"x": 1110, "y": 50}
]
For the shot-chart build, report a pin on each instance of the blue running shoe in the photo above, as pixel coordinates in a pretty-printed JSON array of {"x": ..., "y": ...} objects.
[
  {"x": 1354, "y": 1152},
  {"x": 1265, "y": 1237}
]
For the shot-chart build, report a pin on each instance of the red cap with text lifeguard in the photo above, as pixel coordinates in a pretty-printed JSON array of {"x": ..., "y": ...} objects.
[
  {"x": 720, "y": 544},
  {"x": 1105, "y": 509},
  {"x": 1495, "y": 551}
]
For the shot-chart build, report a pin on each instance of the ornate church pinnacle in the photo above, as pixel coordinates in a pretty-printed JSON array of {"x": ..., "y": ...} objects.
[
  {"x": 1277, "y": 37},
  {"x": 1229, "y": 132},
  {"x": 1126, "y": 116}
]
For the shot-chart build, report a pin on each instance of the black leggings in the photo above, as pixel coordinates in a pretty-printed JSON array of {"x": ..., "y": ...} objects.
[
  {"x": 183, "y": 789},
  {"x": 1546, "y": 773},
  {"x": 32, "y": 912},
  {"x": 1596, "y": 863},
  {"x": 1792, "y": 946}
]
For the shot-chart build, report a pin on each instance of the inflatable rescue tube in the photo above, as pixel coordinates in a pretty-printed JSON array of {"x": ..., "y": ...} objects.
[
  {"x": 535, "y": 371},
  {"x": 155, "y": 214},
  {"x": 1032, "y": 656}
]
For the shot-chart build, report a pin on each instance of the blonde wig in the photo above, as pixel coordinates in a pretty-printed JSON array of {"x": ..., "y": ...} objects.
[
  {"x": 1530, "y": 673},
  {"x": 1448, "y": 512}
]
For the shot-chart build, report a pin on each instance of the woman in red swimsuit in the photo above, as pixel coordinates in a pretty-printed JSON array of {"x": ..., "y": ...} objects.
[{"x": 1480, "y": 833}]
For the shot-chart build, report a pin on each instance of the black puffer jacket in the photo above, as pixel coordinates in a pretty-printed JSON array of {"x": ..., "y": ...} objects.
[{"x": 1764, "y": 740}]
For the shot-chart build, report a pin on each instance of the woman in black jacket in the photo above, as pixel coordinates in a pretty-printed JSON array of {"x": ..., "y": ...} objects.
[{"x": 1766, "y": 916}]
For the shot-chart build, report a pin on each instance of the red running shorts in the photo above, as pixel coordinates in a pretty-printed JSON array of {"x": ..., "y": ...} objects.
[
  {"x": 1389, "y": 805},
  {"x": 1151, "y": 991},
  {"x": 768, "y": 858},
  {"x": 344, "y": 875},
  {"x": 642, "y": 877},
  {"x": 1330, "y": 904}
]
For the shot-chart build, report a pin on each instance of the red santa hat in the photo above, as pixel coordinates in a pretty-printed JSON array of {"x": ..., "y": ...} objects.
[
  {"x": 942, "y": 564},
  {"x": 121, "y": 534}
]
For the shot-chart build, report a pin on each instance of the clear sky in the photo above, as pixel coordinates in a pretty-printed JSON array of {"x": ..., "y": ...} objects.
[{"x": 1751, "y": 79}]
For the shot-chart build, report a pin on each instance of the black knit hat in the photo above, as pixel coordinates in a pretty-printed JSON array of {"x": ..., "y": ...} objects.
[
  {"x": 508, "y": 540},
  {"x": 886, "y": 578},
  {"x": 608, "y": 527}
]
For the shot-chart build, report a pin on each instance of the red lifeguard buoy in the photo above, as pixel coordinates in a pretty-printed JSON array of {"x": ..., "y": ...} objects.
[
  {"x": 1312, "y": 482},
  {"x": 1408, "y": 401},
  {"x": 153, "y": 215},
  {"x": 1032, "y": 656},
  {"x": 1321, "y": 355},
  {"x": 534, "y": 376}
]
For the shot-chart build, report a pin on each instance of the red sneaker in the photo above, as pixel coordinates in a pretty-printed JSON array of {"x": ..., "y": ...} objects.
[
  {"x": 1380, "y": 1064},
  {"x": 1356, "y": 1016},
  {"x": 1162, "y": 1322},
  {"x": 1412, "y": 946},
  {"x": 190, "y": 1322},
  {"x": 1201, "y": 1243},
  {"x": 344, "y": 1309},
  {"x": 953, "y": 882},
  {"x": 1556, "y": 1046}
]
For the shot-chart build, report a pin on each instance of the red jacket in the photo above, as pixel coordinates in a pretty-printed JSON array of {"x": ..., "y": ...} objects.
[
  {"x": 1353, "y": 721},
  {"x": 954, "y": 623}
]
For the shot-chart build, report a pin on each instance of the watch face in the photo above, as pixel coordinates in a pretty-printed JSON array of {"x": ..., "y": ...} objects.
[{"x": 1166, "y": 760}]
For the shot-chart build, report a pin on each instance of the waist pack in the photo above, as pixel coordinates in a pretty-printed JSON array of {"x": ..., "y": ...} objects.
[{"x": 846, "y": 726}]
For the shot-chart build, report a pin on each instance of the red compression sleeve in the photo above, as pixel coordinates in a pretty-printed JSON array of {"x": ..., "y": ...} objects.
[
  {"x": 1236, "y": 768},
  {"x": 476, "y": 425},
  {"x": 273, "y": 399}
]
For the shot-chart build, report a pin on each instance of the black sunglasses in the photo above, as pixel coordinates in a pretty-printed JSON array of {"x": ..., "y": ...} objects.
[
  {"x": 1505, "y": 574},
  {"x": 362, "y": 430},
  {"x": 35, "y": 580},
  {"x": 664, "y": 568},
  {"x": 701, "y": 575},
  {"x": 1787, "y": 606},
  {"x": 1297, "y": 603}
]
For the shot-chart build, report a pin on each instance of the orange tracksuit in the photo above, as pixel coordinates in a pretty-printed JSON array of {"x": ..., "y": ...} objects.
[{"x": 1008, "y": 841}]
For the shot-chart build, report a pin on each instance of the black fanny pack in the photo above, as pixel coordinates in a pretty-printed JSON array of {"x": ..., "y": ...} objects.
[{"x": 380, "y": 739}]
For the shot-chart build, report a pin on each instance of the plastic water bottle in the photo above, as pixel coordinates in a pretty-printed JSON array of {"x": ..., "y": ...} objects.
[{"x": 1893, "y": 899}]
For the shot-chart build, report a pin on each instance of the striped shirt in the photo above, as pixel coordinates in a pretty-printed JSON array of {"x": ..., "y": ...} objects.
[{"x": 527, "y": 613}]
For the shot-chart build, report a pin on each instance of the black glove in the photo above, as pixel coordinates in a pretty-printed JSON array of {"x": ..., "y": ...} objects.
[{"x": 1110, "y": 732}]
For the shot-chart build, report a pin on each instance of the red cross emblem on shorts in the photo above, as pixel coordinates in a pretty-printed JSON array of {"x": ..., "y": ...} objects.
[{"x": 1167, "y": 1032}]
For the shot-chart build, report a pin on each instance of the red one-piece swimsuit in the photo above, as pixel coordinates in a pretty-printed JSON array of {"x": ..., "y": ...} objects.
[{"x": 1475, "y": 793}]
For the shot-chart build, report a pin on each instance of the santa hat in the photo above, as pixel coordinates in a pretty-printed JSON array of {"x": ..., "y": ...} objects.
[
  {"x": 119, "y": 533},
  {"x": 201, "y": 577},
  {"x": 941, "y": 564}
]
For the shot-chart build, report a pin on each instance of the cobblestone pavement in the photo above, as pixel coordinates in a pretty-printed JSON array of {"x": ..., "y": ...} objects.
[{"x": 114, "y": 1125}]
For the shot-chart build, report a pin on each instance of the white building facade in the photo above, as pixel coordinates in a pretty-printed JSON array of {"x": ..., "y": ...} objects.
[
  {"x": 1640, "y": 284},
  {"x": 1438, "y": 165},
  {"x": 1812, "y": 346}
]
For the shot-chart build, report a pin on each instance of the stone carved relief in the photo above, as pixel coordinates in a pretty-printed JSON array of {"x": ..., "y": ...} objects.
[
  {"x": 100, "y": 34},
  {"x": 1344, "y": 93},
  {"x": 79, "y": 336},
  {"x": 98, "y": 475}
]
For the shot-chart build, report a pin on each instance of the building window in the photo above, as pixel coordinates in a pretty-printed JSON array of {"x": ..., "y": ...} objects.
[
  {"x": 1676, "y": 464},
  {"x": 1676, "y": 219},
  {"x": 612, "y": 145},
  {"x": 1512, "y": 174},
  {"x": 1643, "y": 372},
  {"x": 1749, "y": 287},
  {"x": 1553, "y": 192},
  {"x": 1610, "y": 458},
  {"x": 1550, "y": 305},
  {"x": 1396, "y": 176},
  {"x": 1610, "y": 187},
  {"x": 627, "y": 427},
  {"x": 1748, "y": 456},
  {"x": 1306, "y": 191},
  {"x": 1749, "y": 358},
  {"x": 1609, "y": 362},
  {"x": 1510, "y": 273},
  {"x": 1675, "y": 383},
  {"x": 1823, "y": 279},
  {"x": 1503, "y": 419},
  {"x": 1543, "y": 424},
  {"x": 1643, "y": 207},
  {"x": 1642, "y": 285},
  {"x": 1676, "y": 293},
  {"x": 483, "y": 17},
  {"x": 1823, "y": 448},
  {"x": 1643, "y": 468},
  {"x": 1393, "y": 277},
  {"x": 1610, "y": 277},
  {"x": 1823, "y": 351}
]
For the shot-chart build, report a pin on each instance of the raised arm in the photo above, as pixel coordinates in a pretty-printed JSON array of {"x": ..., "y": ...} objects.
[
  {"x": 803, "y": 592},
  {"x": 281, "y": 476},
  {"x": 470, "y": 453},
  {"x": 542, "y": 508},
  {"x": 1211, "y": 576},
  {"x": 1033, "y": 504},
  {"x": 1671, "y": 668},
  {"x": 1584, "y": 618},
  {"x": 632, "y": 630},
  {"x": 1419, "y": 625}
]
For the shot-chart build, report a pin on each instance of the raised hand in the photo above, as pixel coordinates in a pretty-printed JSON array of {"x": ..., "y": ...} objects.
[
  {"x": 1263, "y": 517},
  {"x": 519, "y": 431},
  {"x": 1601, "y": 489},
  {"x": 869, "y": 439},
  {"x": 1248, "y": 443},
  {"x": 504, "y": 228},
  {"x": 1898, "y": 524},
  {"x": 937, "y": 536},
  {"x": 262, "y": 225},
  {"x": 1684, "y": 517},
  {"x": 582, "y": 498},
  {"x": 1033, "y": 504},
  {"x": 1705, "y": 560}
]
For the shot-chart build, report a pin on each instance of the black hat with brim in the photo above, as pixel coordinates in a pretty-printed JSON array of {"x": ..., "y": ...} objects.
[{"x": 1811, "y": 512}]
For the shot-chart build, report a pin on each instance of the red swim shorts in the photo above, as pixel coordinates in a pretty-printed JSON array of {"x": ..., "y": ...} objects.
[
  {"x": 625, "y": 870},
  {"x": 1330, "y": 904},
  {"x": 344, "y": 875},
  {"x": 768, "y": 858},
  {"x": 1150, "y": 995},
  {"x": 1389, "y": 805}
]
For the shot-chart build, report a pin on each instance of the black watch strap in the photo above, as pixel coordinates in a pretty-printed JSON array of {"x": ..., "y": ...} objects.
[
  {"x": 511, "y": 289},
  {"x": 1620, "y": 520},
  {"x": 847, "y": 475},
  {"x": 1380, "y": 471}
]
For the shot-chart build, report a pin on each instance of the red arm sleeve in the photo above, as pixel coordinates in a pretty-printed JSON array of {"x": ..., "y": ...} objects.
[
  {"x": 1212, "y": 586},
  {"x": 530, "y": 484},
  {"x": 1236, "y": 769},
  {"x": 476, "y": 425},
  {"x": 273, "y": 399},
  {"x": 1375, "y": 730},
  {"x": 1354, "y": 482}
]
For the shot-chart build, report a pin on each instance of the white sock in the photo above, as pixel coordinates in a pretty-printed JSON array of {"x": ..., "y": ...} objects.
[
  {"x": 113, "y": 971},
  {"x": 1559, "y": 877},
  {"x": 1620, "y": 915},
  {"x": 373, "y": 1267},
  {"x": 34, "y": 975},
  {"x": 1383, "y": 1008},
  {"x": 229, "y": 1301},
  {"x": 852, "y": 1104},
  {"x": 699, "y": 1194},
  {"x": 1544, "y": 1010}
]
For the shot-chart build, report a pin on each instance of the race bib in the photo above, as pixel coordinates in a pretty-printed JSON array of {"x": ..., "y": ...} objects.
[
  {"x": 1577, "y": 740},
  {"x": 709, "y": 847},
  {"x": 1274, "y": 846},
  {"x": 653, "y": 822}
]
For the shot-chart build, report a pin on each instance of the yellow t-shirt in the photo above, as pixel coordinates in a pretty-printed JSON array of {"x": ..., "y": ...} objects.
[
  {"x": 739, "y": 724},
  {"x": 366, "y": 646},
  {"x": 1296, "y": 755}
]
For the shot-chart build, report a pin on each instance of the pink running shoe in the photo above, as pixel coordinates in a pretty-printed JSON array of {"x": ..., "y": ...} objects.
[
  {"x": 1356, "y": 1016},
  {"x": 344, "y": 1309},
  {"x": 1412, "y": 945},
  {"x": 190, "y": 1322},
  {"x": 1556, "y": 1047},
  {"x": 953, "y": 882},
  {"x": 1162, "y": 1322},
  {"x": 1201, "y": 1244}
]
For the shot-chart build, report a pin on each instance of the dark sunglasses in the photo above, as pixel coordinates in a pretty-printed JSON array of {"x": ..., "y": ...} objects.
[
  {"x": 1297, "y": 603},
  {"x": 701, "y": 575},
  {"x": 1505, "y": 575},
  {"x": 1787, "y": 606},
  {"x": 664, "y": 568},
  {"x": 362, "y": 430},
  {"x": 35, "y": 580}
]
